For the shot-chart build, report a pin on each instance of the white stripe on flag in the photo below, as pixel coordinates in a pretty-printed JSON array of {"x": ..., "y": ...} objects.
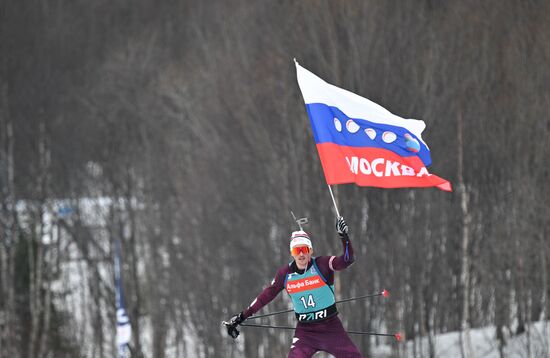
[{"x": 316, "y": 90}]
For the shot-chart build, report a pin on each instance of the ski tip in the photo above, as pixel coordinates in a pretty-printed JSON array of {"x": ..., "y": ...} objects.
[
  {"x": 385, "y": 293},
  {"x": 397, "y": 337}
]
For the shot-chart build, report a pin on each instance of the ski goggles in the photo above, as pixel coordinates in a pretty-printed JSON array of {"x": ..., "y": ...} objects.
[{"x": 295, "y": 251}]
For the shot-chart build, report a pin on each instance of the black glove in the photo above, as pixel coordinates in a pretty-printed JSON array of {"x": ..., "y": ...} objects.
[
  {"x": 341, "y": 227},
  {"x": 232, "y": 325}
]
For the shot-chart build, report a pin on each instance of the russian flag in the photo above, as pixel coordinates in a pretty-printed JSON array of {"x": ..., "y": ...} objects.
[{"x": 361, "y": 142}]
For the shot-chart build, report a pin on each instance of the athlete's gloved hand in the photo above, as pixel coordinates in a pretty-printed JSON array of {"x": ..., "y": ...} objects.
[
  {"x": 341, "y": 226},
  {"x": 232, "y": 325}
]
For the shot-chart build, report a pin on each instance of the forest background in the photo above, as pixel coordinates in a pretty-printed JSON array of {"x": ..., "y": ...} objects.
[{"x": 178, "y": 128}]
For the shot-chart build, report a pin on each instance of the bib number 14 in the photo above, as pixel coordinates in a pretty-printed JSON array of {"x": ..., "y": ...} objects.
[{"x": 309, "y": 303}]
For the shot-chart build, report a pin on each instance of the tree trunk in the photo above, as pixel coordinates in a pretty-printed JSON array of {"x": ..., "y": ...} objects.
[
  {"x": 8, "y": 217},
  {"x": 544, "y": 279},
  {"x": 136, "y": 332},
  {"x": 466, "y": 345}
]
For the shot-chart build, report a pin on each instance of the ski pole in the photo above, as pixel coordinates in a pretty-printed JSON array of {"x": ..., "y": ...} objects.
[
  {"x": 383, "y": 293},
  {"x": 397, "y": 336}
]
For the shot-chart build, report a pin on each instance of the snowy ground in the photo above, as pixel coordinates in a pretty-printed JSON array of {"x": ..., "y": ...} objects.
[{"x": 534, "y": 344}]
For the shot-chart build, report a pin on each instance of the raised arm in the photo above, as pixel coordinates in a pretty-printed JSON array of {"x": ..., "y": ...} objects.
[{"x": 338, "y": 263}]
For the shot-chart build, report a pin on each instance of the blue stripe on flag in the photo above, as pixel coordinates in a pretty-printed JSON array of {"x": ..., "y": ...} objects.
[{"x": 324, "y": 130}]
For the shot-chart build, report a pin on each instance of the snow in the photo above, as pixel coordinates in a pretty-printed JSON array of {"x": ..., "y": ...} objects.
[{"x": 533, "y": 343}]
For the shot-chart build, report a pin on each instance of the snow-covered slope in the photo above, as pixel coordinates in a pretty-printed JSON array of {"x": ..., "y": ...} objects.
[{"x": 535, "y": 343}]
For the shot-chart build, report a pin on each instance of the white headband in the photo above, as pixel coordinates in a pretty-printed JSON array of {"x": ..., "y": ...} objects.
[{"x": 300, "y": 238}]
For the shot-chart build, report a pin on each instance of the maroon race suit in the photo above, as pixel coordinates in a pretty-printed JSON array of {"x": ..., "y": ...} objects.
[{"x": 327, "y": 335}]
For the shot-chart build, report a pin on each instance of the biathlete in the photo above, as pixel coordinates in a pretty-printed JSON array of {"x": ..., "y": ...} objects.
[{"x": 310, "y": 283}]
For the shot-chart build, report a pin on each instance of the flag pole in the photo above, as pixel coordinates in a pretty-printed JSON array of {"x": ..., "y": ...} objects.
[{"x": 333, "y": 201}]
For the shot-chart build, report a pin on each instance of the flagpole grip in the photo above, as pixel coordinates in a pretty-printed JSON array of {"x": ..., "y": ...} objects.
[{"x": 333, "y": 201}]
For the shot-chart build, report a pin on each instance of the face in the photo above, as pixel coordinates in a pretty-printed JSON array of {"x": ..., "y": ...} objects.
[{"x": 302, "y": 259}]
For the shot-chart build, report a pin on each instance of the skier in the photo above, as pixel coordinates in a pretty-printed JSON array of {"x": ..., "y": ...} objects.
[{"x": 310, "y": 283}]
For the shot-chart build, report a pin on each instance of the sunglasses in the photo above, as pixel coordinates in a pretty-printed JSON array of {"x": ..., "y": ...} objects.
[{"x": 295, "y": 251}]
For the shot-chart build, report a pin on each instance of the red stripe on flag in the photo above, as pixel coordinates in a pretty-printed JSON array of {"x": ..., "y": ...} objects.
[{"x": 375, "y": 167}]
